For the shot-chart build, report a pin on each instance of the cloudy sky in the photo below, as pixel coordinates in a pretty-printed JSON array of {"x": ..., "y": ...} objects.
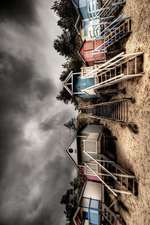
[{"x": 34, "y": 171}]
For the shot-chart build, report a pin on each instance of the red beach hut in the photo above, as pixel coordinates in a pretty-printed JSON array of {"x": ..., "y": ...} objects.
[{"x": 88, "y": 55}]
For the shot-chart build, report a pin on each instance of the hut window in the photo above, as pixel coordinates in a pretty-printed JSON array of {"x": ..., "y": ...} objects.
[{"x": 90, "y": 146}]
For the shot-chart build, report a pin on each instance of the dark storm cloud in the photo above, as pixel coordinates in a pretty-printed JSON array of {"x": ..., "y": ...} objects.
[
  {"x": 45, "y": 209},
  {"x": 22, "y": 12},
  {"x": 19, "y": 83},
  {"x": 31, "y": 182},
  {"x": 15, "y": 77},
  {"x": 50, "y": 214},
  {"x": 54, "y": 121},
  {"x": 43, "y": 88}
]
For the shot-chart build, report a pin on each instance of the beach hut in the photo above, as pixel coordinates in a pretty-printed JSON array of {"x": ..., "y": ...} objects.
[
  {"x": 122, "y": 67},
  {"x": 98, "y": 40},
  {"x": 92, "y": 150},
  {"x": 96, "y": 8},
  {"x": 101, "y": 172},
  {"x": 92, "y": 209},
  {"x": 89, "y": 205},
  {"x": 74, "y": 84},
  {"x": 93, "y": 18},
  {"x": 88, "y": 55},
  {"x": 87, "y": 8}
]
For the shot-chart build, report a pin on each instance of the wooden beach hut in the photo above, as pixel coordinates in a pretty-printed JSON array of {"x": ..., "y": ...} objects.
[{"x": 92, "y": 152}]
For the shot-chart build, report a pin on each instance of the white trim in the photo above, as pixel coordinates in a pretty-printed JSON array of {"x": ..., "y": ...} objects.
[
  {"x": 107, "y": 171},
  {"x": 113, "y": 81},
  {"x": 71, "y": 93},
  {"x": 79, "y": 202},
  {"x": 117, "y": 61},
  {"x": 111, "y": 190}
]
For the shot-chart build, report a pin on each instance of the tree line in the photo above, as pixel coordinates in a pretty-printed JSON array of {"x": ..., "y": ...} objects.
[
  {"x": 71, "y": 197},
  {"x": 68, "y": 43}
]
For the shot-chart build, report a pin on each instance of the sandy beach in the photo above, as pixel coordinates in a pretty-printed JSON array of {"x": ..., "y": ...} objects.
[{"x": 133, "y": 150}]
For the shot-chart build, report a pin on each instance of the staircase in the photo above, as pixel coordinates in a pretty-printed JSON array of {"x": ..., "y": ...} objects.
[
  {"x": 109, "y": 9},
  {"x": 119, "y": 68},
  {"x": 116, "y": 110},
  {"x": 109, "y": 216},
  {"x": 115, "y": 179},
  {"x": 115, "y": 35}
]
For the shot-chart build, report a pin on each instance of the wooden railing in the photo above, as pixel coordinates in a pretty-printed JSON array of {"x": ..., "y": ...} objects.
[
  {"x": 112, "y": 176},
  {"x": 121, "y": 67}
]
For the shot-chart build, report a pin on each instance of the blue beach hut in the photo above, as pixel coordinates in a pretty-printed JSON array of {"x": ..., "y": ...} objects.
[
  {"x": 86, "y": 8},
  {"x": 75, "y": 85}
]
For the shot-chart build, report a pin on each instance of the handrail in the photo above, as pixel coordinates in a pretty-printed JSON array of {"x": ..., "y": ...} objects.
[
  {"x": 111, "y": 190},
  {"x": 107, "y": 171}
]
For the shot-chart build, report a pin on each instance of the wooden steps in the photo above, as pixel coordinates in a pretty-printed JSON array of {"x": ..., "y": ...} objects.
[
  {"x": 121, "y": 67},
  {"x": 116, "y": 110},
  {"x": 113, "y": 176}
]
